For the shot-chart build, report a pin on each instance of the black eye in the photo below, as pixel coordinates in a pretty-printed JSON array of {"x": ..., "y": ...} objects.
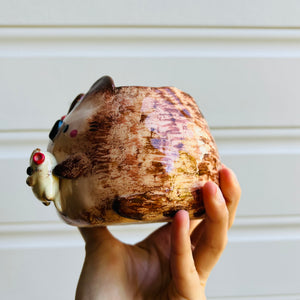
[
  {"x": 29, "y": 171},
  {"x": 66, "y": 128},
  {"x": 55, "y": 129}
]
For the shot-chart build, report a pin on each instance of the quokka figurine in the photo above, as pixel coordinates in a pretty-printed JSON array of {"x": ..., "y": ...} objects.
[{"x": 126, "y": 154}]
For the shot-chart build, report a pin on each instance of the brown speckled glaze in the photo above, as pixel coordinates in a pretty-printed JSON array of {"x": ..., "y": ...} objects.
[{"x": 132, "y": 154}]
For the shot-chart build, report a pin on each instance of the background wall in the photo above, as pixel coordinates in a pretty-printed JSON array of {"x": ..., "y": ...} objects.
[{"x": 239, "y": 59}]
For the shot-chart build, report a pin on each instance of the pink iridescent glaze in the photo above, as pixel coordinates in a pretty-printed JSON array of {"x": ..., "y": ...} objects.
[{"x": 172, "y": 127}]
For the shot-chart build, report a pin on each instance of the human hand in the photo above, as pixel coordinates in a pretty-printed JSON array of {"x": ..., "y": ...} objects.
[{"x": 174, "y": 262}]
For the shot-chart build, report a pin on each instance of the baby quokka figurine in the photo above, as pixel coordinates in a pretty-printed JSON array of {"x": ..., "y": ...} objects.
[
  {"x": 44, "y": 185},
  {"x": 124, "y": 155}
]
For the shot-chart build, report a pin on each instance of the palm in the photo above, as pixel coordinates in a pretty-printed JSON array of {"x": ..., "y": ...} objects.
[
  {"x": 171, "y": 263},
  {"x": 155, "y": 256}
]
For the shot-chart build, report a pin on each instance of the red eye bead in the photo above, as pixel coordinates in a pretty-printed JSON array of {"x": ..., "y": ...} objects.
[
  {"x": 62, "y": 118},
  {"x": 38, "y": 158}
]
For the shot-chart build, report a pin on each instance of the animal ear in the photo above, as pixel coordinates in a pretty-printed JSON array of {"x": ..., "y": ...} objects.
[
  {"x": 75, "y": 101},
  {"x": 104, "y": 84}
]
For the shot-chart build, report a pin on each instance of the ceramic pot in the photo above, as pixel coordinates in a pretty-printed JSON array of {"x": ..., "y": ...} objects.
[{"x": 126, "y": 155}]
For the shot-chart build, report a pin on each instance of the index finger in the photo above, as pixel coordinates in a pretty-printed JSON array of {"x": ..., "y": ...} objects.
[{"x": 231, "y": 191}]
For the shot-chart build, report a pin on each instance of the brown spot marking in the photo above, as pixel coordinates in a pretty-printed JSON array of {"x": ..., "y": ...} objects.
[
  {"x": 73, "y": 167},
  {"x": 96, "y": 215},
  {"x": 186, "y": 113},
  {"x": 203, "y": 168},
  {"x": 143, "y": 118},
  {"x": 198, "y": 196},
  {"x": 126, "y": 212},
  {"x": 199, "y": 213},
  {"x": 98, "y": 148},
  {"x": 172, "y": 212},
  {"x": 141, "y": 206}
]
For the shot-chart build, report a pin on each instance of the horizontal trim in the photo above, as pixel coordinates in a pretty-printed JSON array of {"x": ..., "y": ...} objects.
[
  {"x": 267, "y": 221},
  {"x": 257, "y": 141},
  {"x": 57, "y": 234},
  {"x": 240, "y": 223},
  {"x": 158, "y": 26},
  {"x": 148, "y": 42},
  {"x": 61, "y": 33},
  {"x": 265, "y": 229},
  {"x": 259, "y": 297},
  {"x": 18, "y": 144}
]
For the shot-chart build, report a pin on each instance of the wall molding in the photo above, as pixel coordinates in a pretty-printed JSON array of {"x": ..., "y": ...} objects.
[
  {"x": 57, "y": 234},
  {"x": 148, "y": 42},
  {"x": 258, "y": 141},
  {"x": 229, "y": 141},
  {"x": 259, "y": 297}
]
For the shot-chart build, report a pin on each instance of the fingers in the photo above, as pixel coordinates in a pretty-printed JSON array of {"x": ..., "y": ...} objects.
[
  {"x": 213, "y": 239},
  {"x": 184, "y": 273},
  {"x": 231, "y": 191}
]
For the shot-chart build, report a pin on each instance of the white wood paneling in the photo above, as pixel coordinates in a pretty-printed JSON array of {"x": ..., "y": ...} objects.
[
  {"x": 265, "y": 272},
  {"x": 260, "y": 259},
  {"x": 252, "y": 13},
  {"x": 230, "y": 92},
  {"x": 255, "y": 250},
  {"x": 40, "y": 273},
  {"x": 238, "y": 78}
]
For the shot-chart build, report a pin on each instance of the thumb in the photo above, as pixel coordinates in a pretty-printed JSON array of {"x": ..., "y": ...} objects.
[{"x": 184, "y": 274}]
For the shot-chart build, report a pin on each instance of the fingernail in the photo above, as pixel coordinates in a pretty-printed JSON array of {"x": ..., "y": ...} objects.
[
  {"x": 187, "y": 223},
  {"x": 182, "y": 217},
  {"x": 214, "y": 189},
  {"x": 219, "y": 196}
]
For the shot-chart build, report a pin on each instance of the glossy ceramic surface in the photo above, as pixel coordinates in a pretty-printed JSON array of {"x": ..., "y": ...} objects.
[{"x": 131, "y": 154}]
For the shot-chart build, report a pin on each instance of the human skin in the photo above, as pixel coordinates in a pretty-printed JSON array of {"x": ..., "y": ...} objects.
[{"x": 174, "y": 262}]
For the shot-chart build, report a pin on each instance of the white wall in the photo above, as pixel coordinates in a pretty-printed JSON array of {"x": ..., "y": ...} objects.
[{"x": 239, "y": 59}]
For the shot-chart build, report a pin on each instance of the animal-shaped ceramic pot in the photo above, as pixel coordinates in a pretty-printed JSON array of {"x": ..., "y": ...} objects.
[{"x": 126, "y": 155}]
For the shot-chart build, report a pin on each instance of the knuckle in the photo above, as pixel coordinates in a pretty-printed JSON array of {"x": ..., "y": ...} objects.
[{"x": 218, "y": 246}]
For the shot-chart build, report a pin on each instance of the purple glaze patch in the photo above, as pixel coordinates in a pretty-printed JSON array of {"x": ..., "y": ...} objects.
[
  {"x": 171, "y": 127},
  {"x": 73, "y": 133}
]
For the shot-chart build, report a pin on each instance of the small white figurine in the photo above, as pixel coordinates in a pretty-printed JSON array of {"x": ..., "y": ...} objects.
[{"x": 44, "y": 184}]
